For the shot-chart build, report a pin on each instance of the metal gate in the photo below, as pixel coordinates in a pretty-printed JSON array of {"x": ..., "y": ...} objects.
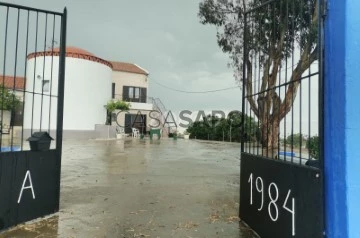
[
  {"x": 32, "y": 67},
  {"x": 281, "y": 159}
]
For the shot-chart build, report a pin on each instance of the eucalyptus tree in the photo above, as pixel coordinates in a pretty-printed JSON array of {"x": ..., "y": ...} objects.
[{"x": 275, "y": 31}]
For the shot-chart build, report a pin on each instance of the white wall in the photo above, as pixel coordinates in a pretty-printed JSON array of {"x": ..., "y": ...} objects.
[
  {"x": 136, "y": 80},
  {"x": 87, "y": 90},
  {"x": 141, "y": 106},
  {"x": 6, "y": 118},
  {"x": 128, "y": 79}
]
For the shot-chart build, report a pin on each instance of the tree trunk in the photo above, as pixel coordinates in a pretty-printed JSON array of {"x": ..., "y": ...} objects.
[{"x": 270, "y": 138}]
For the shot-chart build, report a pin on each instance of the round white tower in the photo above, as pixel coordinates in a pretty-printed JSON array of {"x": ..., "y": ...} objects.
[{"x": 87, "y": 90}]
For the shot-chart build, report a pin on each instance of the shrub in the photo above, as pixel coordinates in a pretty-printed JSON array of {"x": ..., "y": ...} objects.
[
  {"x": 313, "y": 146},
  {"x": 295, "y": 140},
  {"x": 172, "y": 134},
  {"x": 8, "y": 100},
  {"x": 117, "y": 105}
]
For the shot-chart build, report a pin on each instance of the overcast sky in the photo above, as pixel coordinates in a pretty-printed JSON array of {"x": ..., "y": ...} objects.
[{"x": 162, "y": 36}]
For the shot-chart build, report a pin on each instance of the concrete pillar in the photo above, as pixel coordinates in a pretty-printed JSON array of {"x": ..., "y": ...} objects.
[{"x": 342, "y": 119}]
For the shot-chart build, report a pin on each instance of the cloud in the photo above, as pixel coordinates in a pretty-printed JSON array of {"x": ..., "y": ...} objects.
[
  {"x": 220, "y": 56},
  {"x": 173, "y": 46}
]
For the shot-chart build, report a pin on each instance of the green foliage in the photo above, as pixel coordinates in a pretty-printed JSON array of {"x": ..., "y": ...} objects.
[
  {"x": 8, "y": 100},
  {"x": 273, "y": 33},
  {"x": 214, "y": 128},
  {"x": 112, "y": 105},
  {"x": 313, "y": 145},
  {"x": 173, "y": 134},
  {"x": 296, "y": 140},
  {"x": 274, "y": 27},
  {"x": 293, "y": 21},
  {"x": 117, "y": 105}
]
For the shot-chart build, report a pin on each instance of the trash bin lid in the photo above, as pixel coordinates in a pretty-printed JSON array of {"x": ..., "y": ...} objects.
[{"x": 40, "y": 136}]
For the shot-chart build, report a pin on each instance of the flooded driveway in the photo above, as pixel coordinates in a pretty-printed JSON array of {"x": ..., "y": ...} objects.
[{"x": 141, "y": 188}]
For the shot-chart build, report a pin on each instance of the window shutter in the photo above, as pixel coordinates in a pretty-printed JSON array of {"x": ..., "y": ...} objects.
[
  {"x": 125, "y": 93},
  {"x": 143, "y": 95},
  {"x": 113, "y": 90}
]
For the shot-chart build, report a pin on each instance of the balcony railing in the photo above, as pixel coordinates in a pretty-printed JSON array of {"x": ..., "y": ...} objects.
[{"x": 140, "y": 99}]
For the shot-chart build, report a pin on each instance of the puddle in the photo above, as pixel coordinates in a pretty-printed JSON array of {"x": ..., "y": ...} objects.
[{"x": 134, "y": 188}]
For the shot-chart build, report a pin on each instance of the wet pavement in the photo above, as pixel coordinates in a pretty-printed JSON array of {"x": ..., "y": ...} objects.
[{"x": 141, "y": 188}]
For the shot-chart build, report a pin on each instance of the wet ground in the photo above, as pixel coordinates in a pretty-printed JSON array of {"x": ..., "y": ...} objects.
[{"x": 141, "y": 188}]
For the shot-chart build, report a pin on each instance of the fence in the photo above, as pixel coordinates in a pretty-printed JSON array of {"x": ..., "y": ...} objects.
[
  {"x": 126, "y": 98},
  {"x": 32, "y": 71},
  {"x": 29, "y": 74},
  {"x": 282, "y": 80},
  {"x": 281, "y": 176}
]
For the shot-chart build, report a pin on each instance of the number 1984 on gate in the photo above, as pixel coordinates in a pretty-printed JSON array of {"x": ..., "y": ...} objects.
[{"x": 272, "y": 191}]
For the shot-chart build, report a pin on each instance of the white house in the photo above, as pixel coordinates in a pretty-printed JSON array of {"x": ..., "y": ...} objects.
[
  {"x": 90, "y": 82},
  {"x": 87, "y": 90},
  {"x": 130, "y": 84}
]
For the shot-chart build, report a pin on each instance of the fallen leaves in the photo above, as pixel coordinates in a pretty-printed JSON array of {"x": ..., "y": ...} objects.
[
  {"x": 214, "y": 217},
  {"x": 137, "y": 212},
  {"x": 187, "y": 225},
  {"x": 232, "y": 219}
]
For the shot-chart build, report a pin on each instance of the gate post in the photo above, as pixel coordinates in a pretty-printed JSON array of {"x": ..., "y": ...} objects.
[
  {"x": 341, "y": 119},
  {"x": 61, "y": 88}
]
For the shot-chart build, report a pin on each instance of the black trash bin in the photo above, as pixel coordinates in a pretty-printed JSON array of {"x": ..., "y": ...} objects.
[{"x": 40, "y": 141}]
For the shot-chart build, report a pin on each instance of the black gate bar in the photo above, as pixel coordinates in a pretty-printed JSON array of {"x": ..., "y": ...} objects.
[
  {"x": 30, "y": 8},
  {"x": 61, "y": 88}
]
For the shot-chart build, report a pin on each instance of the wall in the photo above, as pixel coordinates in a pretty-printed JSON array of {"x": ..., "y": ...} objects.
[
  {"x": 342, "y": 111},
  {"x": 352, "y": 99},
  {"x": 6, "y": 119},
  {"x": 19, "y": 94},
  {"x": 87, "y": 90},
  {"x": 141, "y": 106},
  {"x": 128, "y": 79}
]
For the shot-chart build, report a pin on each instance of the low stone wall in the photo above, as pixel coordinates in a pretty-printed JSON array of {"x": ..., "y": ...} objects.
[{"x": 105, "y": 132}]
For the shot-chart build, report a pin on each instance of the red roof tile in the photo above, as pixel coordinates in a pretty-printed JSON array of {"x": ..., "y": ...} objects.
[
  {"x": 9, "y": 82},
  {"x": 128, "y": 67},
  {"x": 76, "y": 52},
  {"x": 73, "y": 52}
]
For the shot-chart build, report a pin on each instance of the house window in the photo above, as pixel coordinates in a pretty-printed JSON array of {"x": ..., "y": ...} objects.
[
  {"x": 137, "y": 93},
  {"x": 46, "y": 86},
  {"x": 131, "y": 92},
  {"x": 134, "y": 94}
]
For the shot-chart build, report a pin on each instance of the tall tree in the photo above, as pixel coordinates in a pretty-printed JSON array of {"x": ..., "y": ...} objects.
[{"x": 274, "y": 31}]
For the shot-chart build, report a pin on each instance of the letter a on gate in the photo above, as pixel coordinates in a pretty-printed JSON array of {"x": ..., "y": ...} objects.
[{"x": 27, "y": 176}]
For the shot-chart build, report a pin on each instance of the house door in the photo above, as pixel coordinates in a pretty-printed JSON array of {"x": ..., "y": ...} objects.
[{"x": 137, "y": 121}]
